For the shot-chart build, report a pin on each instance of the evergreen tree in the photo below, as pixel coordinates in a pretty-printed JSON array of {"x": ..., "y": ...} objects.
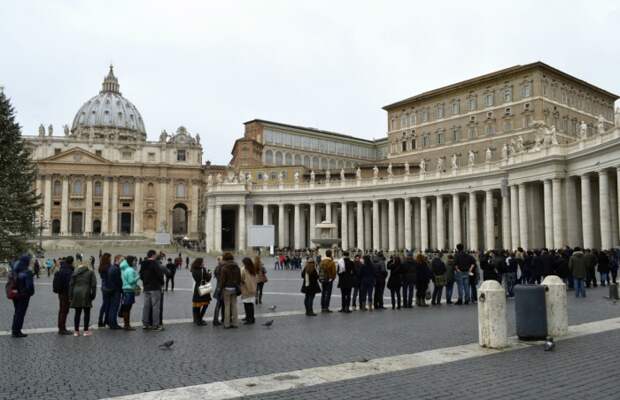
[{"x": 18, "y": 199}]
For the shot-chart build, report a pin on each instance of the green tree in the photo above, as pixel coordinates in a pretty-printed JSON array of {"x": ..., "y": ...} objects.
[{"x": 18, "y": 198}]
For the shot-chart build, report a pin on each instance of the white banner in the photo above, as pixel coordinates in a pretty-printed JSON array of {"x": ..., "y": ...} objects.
[{"x": 261, "y": 235}]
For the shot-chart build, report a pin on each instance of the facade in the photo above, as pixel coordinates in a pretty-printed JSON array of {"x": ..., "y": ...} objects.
[
  {"x": 102, "y": 177},
  {"x": 524, "y": 157}
]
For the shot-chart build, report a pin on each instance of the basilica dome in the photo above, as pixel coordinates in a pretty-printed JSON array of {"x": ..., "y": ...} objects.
[{"x": 109, "y": 115}]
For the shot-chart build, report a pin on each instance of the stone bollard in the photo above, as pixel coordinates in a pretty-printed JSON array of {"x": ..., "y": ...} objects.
[
  {"x": 557, "y": 312},
  {"x": 492, "y": 330}
]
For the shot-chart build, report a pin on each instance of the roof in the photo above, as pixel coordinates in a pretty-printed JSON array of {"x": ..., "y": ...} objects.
[
  {"x": 313, "y": 130},
  {"x": 495, "y": 75}
]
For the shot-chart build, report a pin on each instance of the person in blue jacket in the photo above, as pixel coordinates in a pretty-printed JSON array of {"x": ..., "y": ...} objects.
[{"x": 24, "y": 285}]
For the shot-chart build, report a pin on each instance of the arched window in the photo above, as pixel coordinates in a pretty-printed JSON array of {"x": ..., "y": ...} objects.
[
  {"x": 288, "y": 159},
  {"x": 307, "y": 161},
  {"x": 150, "y": 189},
  {"x": 269, "y": 157},
  {"x": 77, "y": 187},
  {"x": 332, "y": 164},
  {"x": 324, "y": 163},
  {"x": 57, "y": 187},
  {"x": 98, "y": 188},
  {"x": 297, "y": 159},
  {"x": 278, "y": 158},
  {"x": 315, "y": 163},
  {"x": 181, "y": 190}
]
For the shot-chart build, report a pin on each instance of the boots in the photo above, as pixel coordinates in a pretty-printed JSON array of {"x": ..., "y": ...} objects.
[
  {"x": 196, "y": 314},
  {"x": 127, "y": 326}
]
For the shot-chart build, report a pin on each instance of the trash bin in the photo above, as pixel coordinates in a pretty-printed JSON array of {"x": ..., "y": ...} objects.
[{"x": 531, "y": 312}]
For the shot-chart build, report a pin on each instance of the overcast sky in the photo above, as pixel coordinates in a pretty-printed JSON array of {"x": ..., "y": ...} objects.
[{"x": 212, "y": 65}]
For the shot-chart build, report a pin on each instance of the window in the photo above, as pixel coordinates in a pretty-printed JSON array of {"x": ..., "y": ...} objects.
[
  {"x": 526, "y": 90},
  {"x": 278, "y": 158},
  {"x": 527, "y": 120},
  {"x": 98, "y": 153},
  {"x": 488, "y": 99},
  {"x": 489, "y": 129},
  {"x": 424, "y": 115},
  {"x": 97, "y": 204},
  {"x": 288, "y": 159},
  {"x": 150, "y": 190},
  {"x": 126, "y": 155},
  {"x": 507, "y": 95},
  {"x": 57, "y": 188},
  {"x": 507, "y": 125},
  {"x": 472, "y": 132},
  {"x": 507, "y": 111},
  {"x": 269, "y": 157},
  {"x": 456, "y": 107},
  {"x": 151, "y": 157},
  {"x": 56, "y": 151},
  {"x": 403, "y": 121},
  {"x": 77, "y": 187},
  {"x": 439, "y": 111},
  {"x": 98, "y": 188},
  {"x": 425, "y": 140},
  {"x": 126, "y": 204},
  {"x": 455, "y": 135},
  {"x": 180, "y": 190},
  {"x": 404, "y": 146},
  {"x": 440, "y": 138},
  {"x": 180, "y": 155},
  {"x": 412, "y": 119},
  {"x": 472, "y": 103},
  {"x": 126, "y": 189},
  {"x": 413, "y": 144}
]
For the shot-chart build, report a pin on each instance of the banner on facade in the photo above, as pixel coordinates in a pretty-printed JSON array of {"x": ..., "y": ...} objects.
[{"x": 261, "y": 235}]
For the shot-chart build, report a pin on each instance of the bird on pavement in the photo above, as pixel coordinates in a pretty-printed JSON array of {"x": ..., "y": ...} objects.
[
  {"x": 166, "y": 345},
  {"x": 549, "y": 344},
  {"x": 273, "y": 308},
  {"x": 268, "y": 323}
]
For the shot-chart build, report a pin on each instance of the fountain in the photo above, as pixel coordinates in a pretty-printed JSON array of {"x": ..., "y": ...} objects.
[{"x": 326, "y": 236}]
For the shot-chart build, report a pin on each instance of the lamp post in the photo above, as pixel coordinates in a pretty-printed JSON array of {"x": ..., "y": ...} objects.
[{"x": 42, "y": 223}]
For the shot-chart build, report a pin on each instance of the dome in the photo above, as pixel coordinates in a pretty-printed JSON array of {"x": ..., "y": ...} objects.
[{"x": 109, "y": 113}]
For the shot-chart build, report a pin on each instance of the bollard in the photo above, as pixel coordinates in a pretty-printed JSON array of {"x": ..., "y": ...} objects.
[
  {"x": 613, "y": 291},
  {"x": 492, "y": 331},
  {"x": 557, "y": 312}
]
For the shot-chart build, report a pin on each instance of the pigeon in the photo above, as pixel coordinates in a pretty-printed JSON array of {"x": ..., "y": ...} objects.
[
  {"x": 268, "y": 323},
  {"x": 549, "y": 344},
  {"x": 273, "y": 308},
  {"x": 166, "y": 345}
]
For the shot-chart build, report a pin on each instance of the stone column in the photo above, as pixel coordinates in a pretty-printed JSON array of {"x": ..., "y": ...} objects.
[
  {"x": 217, "y": 236},
  {"x": 514, "y": 216},
  {"x": 265, "y": 214},
  {"x": 573, "y": 212},
  {"x": 367, "y": 237},
  {"x": 548, "y": 207},
  {"x": 351, "y": 228},
  {"x": 47, "y": 205},
  {"x": 194, "y": 212},
  {"x": 605, "y": 214},
  {"x": 586, "y": 212},
  {"x": 376, "y": 229},
  {"x": 344, "y": 226},
  {"x": 303, "y": 227},
  {"x": 456, "y": 219},
  {"x": 441, "y": 226},
  {"x": 417, "y": 232},
  {"x": 618, "y": 192},
  {"x": 163, "y": 208},
  {"x": 137, "y": 209},
  {"x": 105, "y": 207},
  {"x": 423, "y": 225},
  {"x": 506, "y": 233},
  {"x": 383, "y": 210},
  {"x": 473, "y": 222},
  {"x": 391, "y": 226},
  {"x": 297, "y": 226},
  {"x": 407, "y": 224},
  {"x": 400, "y": 226},
  {"x": 241, "y": 243},
  {"x": 328, "y": 211},
  {"x": 114, "y": 215},
  {"x": 312, "y": 222},
  {"x": 281, "y": 226},
  {"x": 88, "y": 213},
  {"x": 489, "y": 225},
  {"x": 558, "y": 219},
  {"x": 209, "y": 226},
  {"x": 64, "y": 210},
  {"x": 523, "y": 234}
]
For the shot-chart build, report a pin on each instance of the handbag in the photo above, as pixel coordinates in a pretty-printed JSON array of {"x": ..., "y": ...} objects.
[
  {"x": 137, "y": 291},
  {"x": 204, "y": 288}
]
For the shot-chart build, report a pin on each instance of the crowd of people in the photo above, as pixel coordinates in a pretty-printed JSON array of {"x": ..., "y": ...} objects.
[{"x": 361, "y": 278}]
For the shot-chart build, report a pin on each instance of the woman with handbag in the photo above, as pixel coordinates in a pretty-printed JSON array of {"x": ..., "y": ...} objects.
[
  {"x": 130, "y": 277},
  {"x": 261, "y": 279},
  {"x": 248, "y": 289},
  {"x": 82, "y": 292},
  {"x": 310, "y": 286},
  {"x": 438, "y": 268},
  {"x": 202, "y": 291}
]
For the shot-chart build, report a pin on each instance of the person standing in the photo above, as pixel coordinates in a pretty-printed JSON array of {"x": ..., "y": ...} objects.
[
  {"x": 578, "y": 266},
  {"x": 367, "y": 283},
  {"x": 395, "y": 282},
  {"x": 130, "y": 277},
  {"x": 357, "y": 265},
  {"x": 60, "y": 286},
  {"x": 37, "y": 268},
  {"x": 310, "y": 286},
  {"x": 381, "y": 274},
  {"x": 172, "y": 270},
  {"x": 345, "y": 281},
  {"x": 23, "y": 281},
  {"x": 591, "y": 262},
  {"x": 229, "y": 285},
  {"x": 200, "y": 302},
  {"x": 261, "y": 279},
  {"x": 82, "y": 292},
  {"x": 217, "y": 294},
  {"x": 115, "y": 288},
  {"x": 464, "y": 265},
  {"x": 449, "y": 278},
  {"x": 186, "y": 262},
  {"x": 327, "y": 274},
  {"x": 104, "y": 311},
  {"x": 408, "y": 272},
  {"x": 248, "y": 289},
  {"x": 603, "y": 267},
  {"x": 153, "y": 280},
  {"x": 438, "y": 268},
  {"x": 422, "y": 278}
]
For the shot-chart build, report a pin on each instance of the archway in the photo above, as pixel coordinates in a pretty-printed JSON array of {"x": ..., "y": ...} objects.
[
  {"x": 77, "y": 223},
  {"x": 179, "y": 219},
  {"x": 56, "y": 227},
  {"x": 97, "y": 226},
  {"x": 229, "y": 231},
  {"x": 126, "y": 223}
]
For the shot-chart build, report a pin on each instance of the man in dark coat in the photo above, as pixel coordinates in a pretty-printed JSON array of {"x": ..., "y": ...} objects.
[
  {"x": 408, "y": 271},
  {"x": 115, "y": 286},
  {"x": 24, "y": 284},
  {"x": 62, "y": 279},
  {"x": 380, "y": 277},
  {"x": 591, "y": 261},
  {"x": 153, "y": 280},
  {"x": 345, "y": 281}
]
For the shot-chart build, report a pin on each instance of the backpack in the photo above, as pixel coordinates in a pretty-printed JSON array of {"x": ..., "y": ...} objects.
[
  {"x": 57, "y": 284},
  {"x": 11, "y": 286}
]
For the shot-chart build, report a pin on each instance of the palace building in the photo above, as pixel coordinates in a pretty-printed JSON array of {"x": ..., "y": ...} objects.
[{"x": 528, "y": 156}]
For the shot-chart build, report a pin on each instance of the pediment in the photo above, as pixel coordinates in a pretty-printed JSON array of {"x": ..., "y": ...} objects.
[{"x": 76, "y": 155}]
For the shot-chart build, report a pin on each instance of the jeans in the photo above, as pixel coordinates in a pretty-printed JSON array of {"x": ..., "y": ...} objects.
[
  {"x": 218, "y": 312},
  {"x": 308, "y": 300},
  {"x": 63, "y": 311},
  {"x": 259, "y": 292},
  {"x": 171, "y": 280},
  {"x": 230, "y": 307},
  {"x": 604, "y": 278},
  {"x": 104, "y": 311},
  {"x": 115, "y": 303},
  {"x": 326, "y": 293},
  {"x": 510, "y": 279},
  {"x": 449, "y": 290},
  {"x": 580, "y": 287},
  {"x": 378, "y": 297},
  {"x": 395, "y": 295},
  {"x": 408, "y": 294},
  {"x": 356, "y": 293},
  {"x": 436, "y": 298},
  {"x": 78, "y": 315},
  {"x": 346, "y": 298},
  {"x": 20, "y": 305},
  {"x": 366, "y": 294},
  {"x": 462, "y": 284},
  {"x": 151, "y": 308}
]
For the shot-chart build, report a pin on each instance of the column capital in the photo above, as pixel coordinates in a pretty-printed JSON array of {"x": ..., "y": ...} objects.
[{"x": 602, "y": 172}]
